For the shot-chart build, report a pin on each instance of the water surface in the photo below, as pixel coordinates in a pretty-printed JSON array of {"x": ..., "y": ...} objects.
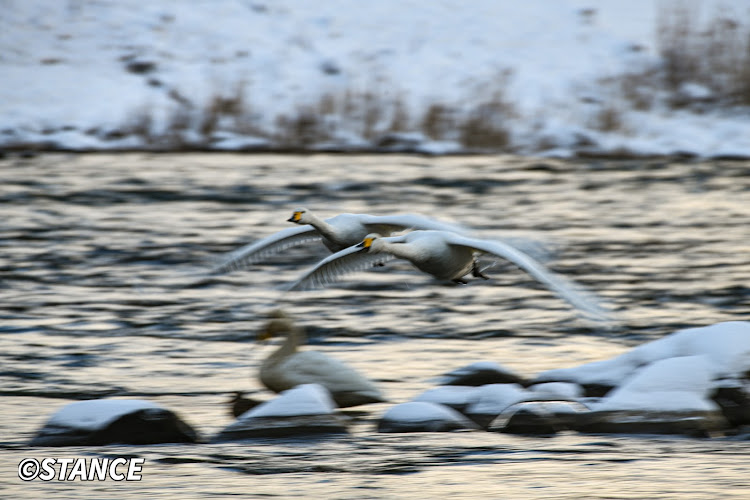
[{"x": 104, "y": 292}]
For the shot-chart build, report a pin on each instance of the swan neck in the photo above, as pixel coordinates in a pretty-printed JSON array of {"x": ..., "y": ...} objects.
[
  {"x": 322, "y": 226},
  {"x": 294, "y": 338}
]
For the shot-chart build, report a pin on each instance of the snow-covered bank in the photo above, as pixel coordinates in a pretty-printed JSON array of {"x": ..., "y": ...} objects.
[{"x": 528, "y": 78}]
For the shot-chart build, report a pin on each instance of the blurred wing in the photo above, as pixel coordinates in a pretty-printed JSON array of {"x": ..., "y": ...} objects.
[
  {"x": 257, "y": 251},
  {"x": 346, "y": 261},
  {"x": 566, "y": 289},
  {"x": 533, "y": 247},
  {"x": 387, "y": 224}
]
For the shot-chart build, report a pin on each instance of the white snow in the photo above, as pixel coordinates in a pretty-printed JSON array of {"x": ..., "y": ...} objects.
[
  {"x": 673, "y": 384},
  {"x": 422, "y": 411},
  {"x": 725, "y": 347},
  {"x": 485, "y": 399},
  {"x": 306, "y": 399},
  {"x": 562, "y": 390},
  {"x": 493, "y": 399},
  {"x": 96, "y": 414},
  {"x": 451, "y": 395},
  {"x": 676, "y": 373},
  {"x": 65, "y": 80}
]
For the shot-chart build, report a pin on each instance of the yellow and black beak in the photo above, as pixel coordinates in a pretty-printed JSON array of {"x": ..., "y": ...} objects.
[
  {"x": 366, "y": 244},
  {"x": 296, "y": 216}
]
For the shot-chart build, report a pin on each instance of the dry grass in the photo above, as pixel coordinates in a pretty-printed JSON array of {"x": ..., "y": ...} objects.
[
  {"x": 365, "y": 113},
  {"x": 302, "y": 130},
  {"x": 608, "y": 119},
  {"x": 140, "y": 123},
  {"x": 703, "y": 64},
  {"x": 438, "y": 122},
  {"x": 377, "y": 116},
  {"x": 399, "y": 117},
  {"x": 714, "y": 54},
  {"x": 486, "y": 125},
  {"x": 189, "y": 126}
]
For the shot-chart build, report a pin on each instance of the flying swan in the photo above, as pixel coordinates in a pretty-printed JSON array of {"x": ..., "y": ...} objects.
[
  {"x": 444, "y": 255},
  {"x": 336, "y": 233},
  {"x": 288, "y": 367}
]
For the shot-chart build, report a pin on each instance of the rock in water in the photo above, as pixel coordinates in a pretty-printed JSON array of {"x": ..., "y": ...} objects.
[
  {"x": 109, "y": 421},
  {"x": 482, "y": 373},
  {"x": 423, "y": 416},
  {"x": 669, "y": 396},
  {"x": 539, "y": 417},
  {"x": 306, "y": 409}
]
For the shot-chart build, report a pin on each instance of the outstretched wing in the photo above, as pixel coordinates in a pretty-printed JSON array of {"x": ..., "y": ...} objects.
[
  {"x": 346, "y": 261},
  {"x": 566, "y": 289},
  {"x": 387, "y": 224},
  {"x": 257, "y": 251}
]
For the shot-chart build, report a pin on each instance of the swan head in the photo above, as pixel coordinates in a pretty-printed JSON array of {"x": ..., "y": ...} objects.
[
  {"x": 370, "y": 243},
  {"x": 279, "y": 324},
  {"x": 300, "y": 216}
]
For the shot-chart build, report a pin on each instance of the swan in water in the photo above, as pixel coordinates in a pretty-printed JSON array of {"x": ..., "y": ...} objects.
[
  {"x": 287, "y": 367},
  {"x": 336, "y": 233},
  {"x": 444, "y": 255}
]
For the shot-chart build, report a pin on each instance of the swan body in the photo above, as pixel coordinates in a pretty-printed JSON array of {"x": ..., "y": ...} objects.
[
  {"x": 288, "y": 367},
  {"x": 444, "y": 255},
  {"x": 336, "y": 233}
]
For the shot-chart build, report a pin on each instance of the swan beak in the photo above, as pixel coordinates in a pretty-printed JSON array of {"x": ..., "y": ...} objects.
[
  {"x": 365, "y": 245},
  {"x": 296, "y": 216},
  {"x": 263, "y": 336}
]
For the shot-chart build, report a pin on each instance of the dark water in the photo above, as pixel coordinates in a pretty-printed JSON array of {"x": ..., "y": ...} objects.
[{"x": 102, "y": 292}]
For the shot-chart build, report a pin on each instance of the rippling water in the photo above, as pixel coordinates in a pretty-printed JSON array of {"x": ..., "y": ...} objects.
[{"x": 104, "y": 292}]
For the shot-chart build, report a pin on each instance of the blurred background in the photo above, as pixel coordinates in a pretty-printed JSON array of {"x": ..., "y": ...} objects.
[{"x": 557, "y": 78}]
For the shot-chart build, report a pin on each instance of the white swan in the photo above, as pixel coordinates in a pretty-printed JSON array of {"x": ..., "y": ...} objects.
[
  {"x": 446, "y": 256},
  {"x": 336, "y": 233},
  {"x": 287, "y": 367}
]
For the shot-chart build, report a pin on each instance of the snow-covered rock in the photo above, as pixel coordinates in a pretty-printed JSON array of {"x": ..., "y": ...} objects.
[
  {"x": 673, "y": 384},
  {"x": 491, "y": 400},
  {"x": 540, "y": 417},
  {"x": 423, "y": 416},
  {"x": 109, "y": 421},
  {"x": 305, "y": 409},
  {"x": 692, "y": 382},
  {"x": 481, "y": 373},
  {"x": 457, "y": 397},
  {"x": 725, "y": 346},
  {"x": 560, "y": 390}
]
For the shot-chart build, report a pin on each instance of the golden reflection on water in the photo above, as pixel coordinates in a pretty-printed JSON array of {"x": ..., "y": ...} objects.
[{"x": 105, "y": 292}]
